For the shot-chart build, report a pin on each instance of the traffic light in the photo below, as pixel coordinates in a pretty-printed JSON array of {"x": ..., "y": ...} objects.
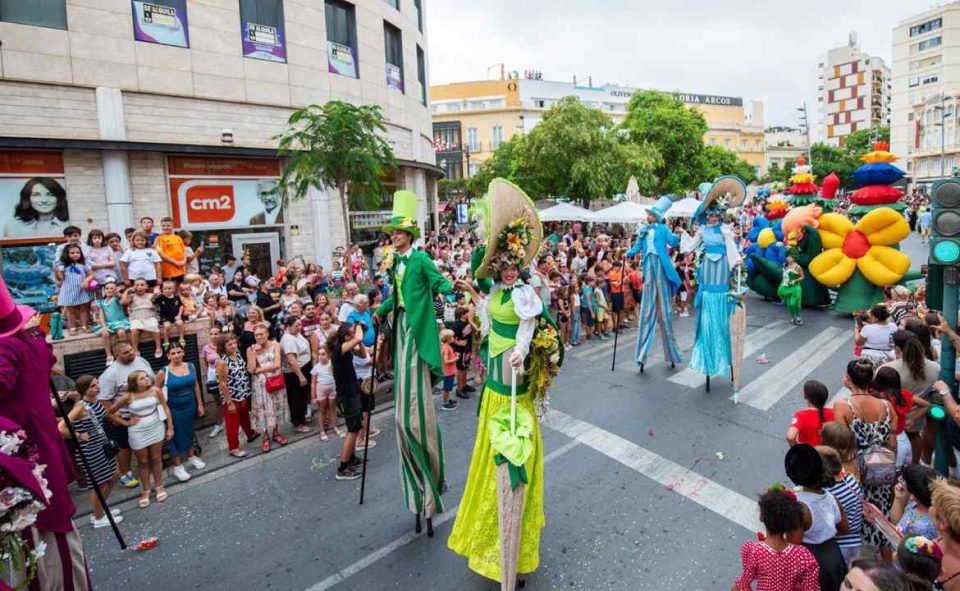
[{"x": 945, "y": 223}]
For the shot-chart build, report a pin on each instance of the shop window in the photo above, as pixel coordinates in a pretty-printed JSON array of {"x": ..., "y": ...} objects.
[
  {"x": 341, "y": 22},
  {"x": 393, "y": 49},
  {"x": 422, "y": 74},
  {"x": 40, "y": 13},
  {"x": 263, "y": 30}
]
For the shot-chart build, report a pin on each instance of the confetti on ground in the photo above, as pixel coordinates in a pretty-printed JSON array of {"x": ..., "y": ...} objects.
[
  {"x": 649, "y": 432},
  {"x": 719, "y": 455},
  {"x": 762, "y": 360},
  {"x": 319, "y": 464},
  {"x": 148, "y": 544}
]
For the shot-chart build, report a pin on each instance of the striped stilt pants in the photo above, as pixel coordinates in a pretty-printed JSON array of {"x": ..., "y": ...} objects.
[
  {"x": 418, "y": 436},
  {"x": 656, "y": 310}
]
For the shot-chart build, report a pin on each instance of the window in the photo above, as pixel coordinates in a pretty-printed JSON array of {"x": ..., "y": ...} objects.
[
  {"x": 473, "y": 139},
  {"x": 540, "y": 103},
  {"x": 926, "y": 27},
  {"x": 914, "y": 82},
  {"x": 474, "y": 168},
  {"x": 496, "y": 137},
  {"x": 726, "y": 143},
  {"x": 393, "y": 46},
  {"x": 930, "y": 79},
  {"x": 713, "y": 141},
  {"x": 422, "y": 74},
  {"x": 40, "y": 13},
  {"x": 341, "y": 39},
  {"x": 756, "y": 145},
  {"x": 743, "y": 144},
  {"x": 395, "y": 4},
  {"x": 262, "y": 27},
  {"x": 418, "y": 6},
  {"x": 930, "y": 43}
]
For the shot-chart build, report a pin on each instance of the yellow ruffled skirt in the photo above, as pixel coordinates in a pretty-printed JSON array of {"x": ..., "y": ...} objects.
[{"x": 476, "y": 533}]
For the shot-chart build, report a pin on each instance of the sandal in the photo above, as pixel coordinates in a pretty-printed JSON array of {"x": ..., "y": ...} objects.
[
  {"x": 144, "y": 501},
  {"x": 265, "y": 446},
  {"x": 238, "y": 453},
  {"x": 373, "y": 432},
  {"x": 302, "y": 429},
  {"x": 323, "y": 436},
  {"x": 161, "y": 494},
  {"x": 279, "y": 439}
]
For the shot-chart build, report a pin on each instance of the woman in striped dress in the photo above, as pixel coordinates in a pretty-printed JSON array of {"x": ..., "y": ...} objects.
[{"x": 88, "y": 417}]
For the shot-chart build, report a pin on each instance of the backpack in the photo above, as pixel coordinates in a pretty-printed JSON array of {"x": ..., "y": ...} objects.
[{"x": 878, "y": 465}]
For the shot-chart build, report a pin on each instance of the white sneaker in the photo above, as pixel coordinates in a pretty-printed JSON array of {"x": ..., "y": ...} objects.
[
  {"x": 180, "y": 473},
  {"x": 217, "y": 429},
  {"x": 115, "y": 512},
  {"x": 103, "y": 521},
  {"x": 197, "y": 463}
]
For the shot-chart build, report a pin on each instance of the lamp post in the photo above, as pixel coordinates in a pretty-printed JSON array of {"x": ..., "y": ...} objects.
[{"x": 806, "y": 126}]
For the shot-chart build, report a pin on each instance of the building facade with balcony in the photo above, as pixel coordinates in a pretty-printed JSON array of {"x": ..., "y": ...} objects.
[
  {"x": 784, "y": 145},
  {"x": 854, "y": 92},
  {"x": 926, "y": 83},
  {"x": 490, "y": 112},
  {"x": 130, "y": 108}
]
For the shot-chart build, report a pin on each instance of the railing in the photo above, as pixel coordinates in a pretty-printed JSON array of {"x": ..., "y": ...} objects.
[{"x": 369, "y": 219}]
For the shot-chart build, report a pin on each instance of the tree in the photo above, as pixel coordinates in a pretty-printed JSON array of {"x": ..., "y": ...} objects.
[
  {"x": 861, "y": 141},
  {"x": 776, "y": 173},
  {"x": 720, "y": 161},
  {"x": 447, "y": 186},
  {"x": 827, "y": 159},
  {"x": 337, "y": 145},
  {"x": 675, "y": 131}
]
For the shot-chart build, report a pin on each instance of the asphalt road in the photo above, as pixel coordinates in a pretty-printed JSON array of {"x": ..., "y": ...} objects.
[{"x": 650, "y": 484}]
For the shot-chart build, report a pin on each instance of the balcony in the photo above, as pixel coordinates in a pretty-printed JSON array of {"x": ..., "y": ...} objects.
[{"x": 369, "y": 219}]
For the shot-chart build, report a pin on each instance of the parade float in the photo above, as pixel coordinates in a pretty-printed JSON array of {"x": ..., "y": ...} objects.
[{"x": 803, "y": 188}]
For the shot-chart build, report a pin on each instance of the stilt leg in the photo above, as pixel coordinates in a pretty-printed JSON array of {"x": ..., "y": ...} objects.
[
  {"x": 641, "y": 367},
  {"x": 417, "y": 528},
  {"x": 429, "y": 527},
  {"x": 708, "y": 383}
]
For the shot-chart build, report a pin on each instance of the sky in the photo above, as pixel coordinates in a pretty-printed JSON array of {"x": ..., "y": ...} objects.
[{"x": 757, "y": 50}]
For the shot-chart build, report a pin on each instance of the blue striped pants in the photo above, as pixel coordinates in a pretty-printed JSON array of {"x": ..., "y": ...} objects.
[{"x": 656, "y": 310}]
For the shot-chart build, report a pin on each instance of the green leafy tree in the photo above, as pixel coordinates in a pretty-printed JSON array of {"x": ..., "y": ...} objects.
[
  {"x": 720, "y": 161},
  {"x": 776, "y": 173},
  {"x": 447, "y": 186},
  {"x": 827, "y": 159},
  {"x": 861, "y": 141},
  {"x": 663, "y": 121},
  {"x": 339, "y": 146}
]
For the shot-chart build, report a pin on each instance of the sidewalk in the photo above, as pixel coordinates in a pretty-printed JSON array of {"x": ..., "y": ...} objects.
[{"x": 216, "y": 455}]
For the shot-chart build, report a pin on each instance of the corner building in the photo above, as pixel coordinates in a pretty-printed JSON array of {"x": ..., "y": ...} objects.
[{"x": 171, "y": 107}]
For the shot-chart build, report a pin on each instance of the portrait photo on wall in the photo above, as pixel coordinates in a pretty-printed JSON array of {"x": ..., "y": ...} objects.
[{"x": 33, "y": 196}]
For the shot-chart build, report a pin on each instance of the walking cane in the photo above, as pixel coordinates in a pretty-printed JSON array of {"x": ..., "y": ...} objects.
[
  {"x": 373, "y": 387},
  {"x": 616, "y": 333},
  {"x": 86, "y": 467}
]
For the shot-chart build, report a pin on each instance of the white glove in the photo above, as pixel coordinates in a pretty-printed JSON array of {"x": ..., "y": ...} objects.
[{"x": 516, "y": 361}]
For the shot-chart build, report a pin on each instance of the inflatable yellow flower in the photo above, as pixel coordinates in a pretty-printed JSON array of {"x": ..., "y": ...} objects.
[{"x": 865, "y": 246}]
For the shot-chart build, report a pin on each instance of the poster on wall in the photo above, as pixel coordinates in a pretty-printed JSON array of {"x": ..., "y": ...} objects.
[
  {"x": 216, "y": 193},
  {"x": 394, "y": 77},
  {"x": 340, "y": 60},
  {"x": 28, "y": 273},
  {"x": 33, "y": 197},
  {"x": 263, "y": 42},
  {"x": 157, "y": 23}
]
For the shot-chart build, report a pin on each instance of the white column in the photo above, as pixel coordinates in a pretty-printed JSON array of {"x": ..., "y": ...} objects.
[
  {"x": 320, "y": 212},
  {"x": 116, "y": 170}
]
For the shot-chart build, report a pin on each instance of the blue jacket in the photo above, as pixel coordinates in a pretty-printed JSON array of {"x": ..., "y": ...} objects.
[{"x": 662, "y": 238}]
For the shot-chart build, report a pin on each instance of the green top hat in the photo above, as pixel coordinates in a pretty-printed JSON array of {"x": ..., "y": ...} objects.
[{"x": 404, "y": 214}]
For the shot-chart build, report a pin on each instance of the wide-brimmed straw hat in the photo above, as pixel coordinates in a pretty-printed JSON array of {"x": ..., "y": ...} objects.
[
  {"x": 725, "y": 193},
  {"x": 509, "y": 223}
]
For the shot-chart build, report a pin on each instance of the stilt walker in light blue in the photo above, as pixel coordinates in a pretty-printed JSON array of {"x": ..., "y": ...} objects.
[
  {"x": 719, "y": 257},
  {"x": 660, "y": 284}
]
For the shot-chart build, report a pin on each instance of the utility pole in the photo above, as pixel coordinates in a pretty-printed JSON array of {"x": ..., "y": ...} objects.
[{"x": 805, "y": 122}]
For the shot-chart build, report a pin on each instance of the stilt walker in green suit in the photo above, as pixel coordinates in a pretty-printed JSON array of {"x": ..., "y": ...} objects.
[{"x": 416, "y": 361}]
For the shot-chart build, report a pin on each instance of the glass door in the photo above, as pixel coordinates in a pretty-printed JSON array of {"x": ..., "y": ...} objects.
[{"x": 263, "y": 250}]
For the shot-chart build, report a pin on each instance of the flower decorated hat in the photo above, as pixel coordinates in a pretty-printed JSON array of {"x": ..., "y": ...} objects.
[
  {"x": 404, "y": 214},
  {"x": 725, "y": 193},
  {"x": 508, "y": 221}
]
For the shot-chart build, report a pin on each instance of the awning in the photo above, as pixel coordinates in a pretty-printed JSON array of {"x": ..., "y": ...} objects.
[
  {"x": 626, "y": 212},
  {"x": 684, "y": 208},
  {"x": 564, "y": 212}
]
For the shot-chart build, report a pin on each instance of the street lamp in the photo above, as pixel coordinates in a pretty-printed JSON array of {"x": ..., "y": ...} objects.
[{"x": 806, "y": 126}]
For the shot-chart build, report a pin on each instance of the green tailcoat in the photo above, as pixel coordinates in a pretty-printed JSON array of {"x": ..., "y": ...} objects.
[{"x": 421, "y": 281}]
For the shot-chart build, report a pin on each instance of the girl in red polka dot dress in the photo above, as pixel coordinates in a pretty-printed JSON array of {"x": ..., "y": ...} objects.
[{"x": 775, "y": 562}]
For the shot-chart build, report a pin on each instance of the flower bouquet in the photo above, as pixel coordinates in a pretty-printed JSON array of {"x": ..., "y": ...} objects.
[
  {"x": 23, "y": 494},
  {"x": 544, "y": 364}
]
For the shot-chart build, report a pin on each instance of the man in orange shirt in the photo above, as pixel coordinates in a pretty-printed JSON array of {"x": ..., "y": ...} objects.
[
  {"x": 172, "y": 251},
  {"x": 614, "y": 274}
]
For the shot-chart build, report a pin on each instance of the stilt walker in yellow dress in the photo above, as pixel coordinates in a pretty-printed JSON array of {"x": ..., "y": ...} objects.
[{"x": 521, "y": 349}]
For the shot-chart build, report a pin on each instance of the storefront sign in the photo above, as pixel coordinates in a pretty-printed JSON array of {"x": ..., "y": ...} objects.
[
  {"x": 156, "y": 23},
  {"x": 214, "y": 193},
  {"x": 263, "y": 42},
  {"x": 709, "y": 99},
  {"x": 340, "y": 60},
  {"x": 28, "y": 273},
  {"x": 33, "y": 197},
  {"x": 394, "y": 77}
]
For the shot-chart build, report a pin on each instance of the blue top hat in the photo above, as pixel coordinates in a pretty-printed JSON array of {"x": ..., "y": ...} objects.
[{"x": 659, "y": 209}]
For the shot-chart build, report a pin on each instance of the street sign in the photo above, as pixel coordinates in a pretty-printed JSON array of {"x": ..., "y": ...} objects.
[{"x": 945, "y": 223}]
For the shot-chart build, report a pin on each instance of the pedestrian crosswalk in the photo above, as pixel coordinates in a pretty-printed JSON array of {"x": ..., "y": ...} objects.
[{"x": 762, "y": 390}]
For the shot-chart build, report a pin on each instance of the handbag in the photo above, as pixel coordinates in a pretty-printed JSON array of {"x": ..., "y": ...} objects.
[
  {"x": 110, "y": 447},
  {"x": 878, "y": 465},
  {"x": 275, "y": 383}
]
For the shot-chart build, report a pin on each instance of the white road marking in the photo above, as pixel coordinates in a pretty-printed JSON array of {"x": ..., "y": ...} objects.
[
  {"x": 699, "y": 489},
  {"x": 368, "y": 560},
  {"x": 755, "y": 342},
  {"x": 769, "y": 387}
]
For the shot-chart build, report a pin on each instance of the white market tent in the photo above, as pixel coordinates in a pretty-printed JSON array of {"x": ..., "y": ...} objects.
[
  {"x": 564, "y": 212},
  {"x": 626, "y": 212},
  {"x": 684, "y": 208}
]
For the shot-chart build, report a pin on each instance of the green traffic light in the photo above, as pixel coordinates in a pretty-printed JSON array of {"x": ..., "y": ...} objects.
[{"x": 946, "y": 252}]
